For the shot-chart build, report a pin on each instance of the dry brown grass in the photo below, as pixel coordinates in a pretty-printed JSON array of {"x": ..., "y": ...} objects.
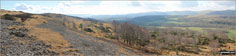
[
  {"x": 98, "y": 33},
  {"x": 10, "y": 12},
  {"x": 50, "y": 38},
  {"x": 86, "y": 24},
  {"x": 31, "y": 23},
  {"x": 20, "y": 40},
  {"x": 229, "y": 46},
  {"x": 122, "y": 50},
  {"x": 18, "y": 20},
  {"x": 46, "y": 35},
  {"x": 14, "y": 27}
]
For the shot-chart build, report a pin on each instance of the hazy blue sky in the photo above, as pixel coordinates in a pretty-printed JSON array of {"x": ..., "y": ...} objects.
[{"x": 114, "y": 7}]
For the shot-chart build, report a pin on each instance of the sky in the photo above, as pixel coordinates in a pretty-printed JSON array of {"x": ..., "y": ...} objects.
[{"x": 114, "y": 7}]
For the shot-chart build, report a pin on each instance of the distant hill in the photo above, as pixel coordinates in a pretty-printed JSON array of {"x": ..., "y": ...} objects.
[
  {"x": 225, "y": 12},
  {"x": 125, "y": 17},
  {"x": 149, "y": 20},
  {"x": 184, "y": 20}
]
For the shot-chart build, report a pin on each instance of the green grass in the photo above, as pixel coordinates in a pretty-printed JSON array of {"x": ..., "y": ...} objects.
[
  {"x": 181, "y": 28},
  {"x": 154, "y": 22},
  {"x": 196, "y": 29},
  {"x": 231, "y": 34},
  {"x": 161, "y": 27},
  {"x": 155, "y": 27},
  {"x": 173, "y": 18},
  {"x": 175, "y": 22}
]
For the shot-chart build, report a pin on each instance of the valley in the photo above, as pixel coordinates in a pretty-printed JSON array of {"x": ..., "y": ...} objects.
[{"x": 58, "y": 34}]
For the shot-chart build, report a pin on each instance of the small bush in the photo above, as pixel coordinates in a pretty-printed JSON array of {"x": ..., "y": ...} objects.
[
  {"x": 203, "y": 41},
  {"x": 80, "y": 25},
  {"x": 223, "y": 41},
  {"x": 106, "y": 30},
  {"x": 23, "y": 16},
  {"x": 8, "y": 17},
  {"x": 142, "y": 42},
  {"x": 153, "y": 35},
  {"x": 174, "y": 33},
  {"x": 111, "y": 37},
  {"x": 88, "y": 30}
]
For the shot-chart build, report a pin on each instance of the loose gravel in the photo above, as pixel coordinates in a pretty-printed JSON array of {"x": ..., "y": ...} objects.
[{"x": 12, "y": 46}]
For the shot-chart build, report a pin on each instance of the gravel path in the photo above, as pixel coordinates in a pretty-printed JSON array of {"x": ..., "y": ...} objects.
[{"x": 87, "y": 45}]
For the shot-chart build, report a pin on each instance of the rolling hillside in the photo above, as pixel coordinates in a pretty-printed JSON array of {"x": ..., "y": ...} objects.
[
  {"x": 124, "y": 17},
  {"x": 57, "y": 34}
]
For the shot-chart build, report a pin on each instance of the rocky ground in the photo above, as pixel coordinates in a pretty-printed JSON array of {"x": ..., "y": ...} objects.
[{"x": 17, "y": 42}]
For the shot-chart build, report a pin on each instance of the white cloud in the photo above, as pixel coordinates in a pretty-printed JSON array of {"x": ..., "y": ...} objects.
[
  {"x": 122, "y": 7},
  {"x": 212, "y": 5}
]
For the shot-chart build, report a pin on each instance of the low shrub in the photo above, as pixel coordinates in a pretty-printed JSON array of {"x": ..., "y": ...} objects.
[
  {"x": 88, "y": 30},
  {"x": 111, "y": 37},
  {"x": 8, "y": 17}
]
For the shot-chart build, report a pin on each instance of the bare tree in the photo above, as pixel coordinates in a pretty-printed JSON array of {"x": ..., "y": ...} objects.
[
  {"x": 214, "y": 45},
  {"x": 131, "y": 34}
]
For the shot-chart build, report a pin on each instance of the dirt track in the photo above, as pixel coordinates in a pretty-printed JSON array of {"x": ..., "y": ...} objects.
[{"x": 86, "y": 44}]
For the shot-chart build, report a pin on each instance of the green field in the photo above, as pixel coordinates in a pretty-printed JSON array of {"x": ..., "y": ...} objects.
[
  {"x": 231, "y": 34},
  {"x": 173, "y": 18},
  {"x": 175, "y": 22}
]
